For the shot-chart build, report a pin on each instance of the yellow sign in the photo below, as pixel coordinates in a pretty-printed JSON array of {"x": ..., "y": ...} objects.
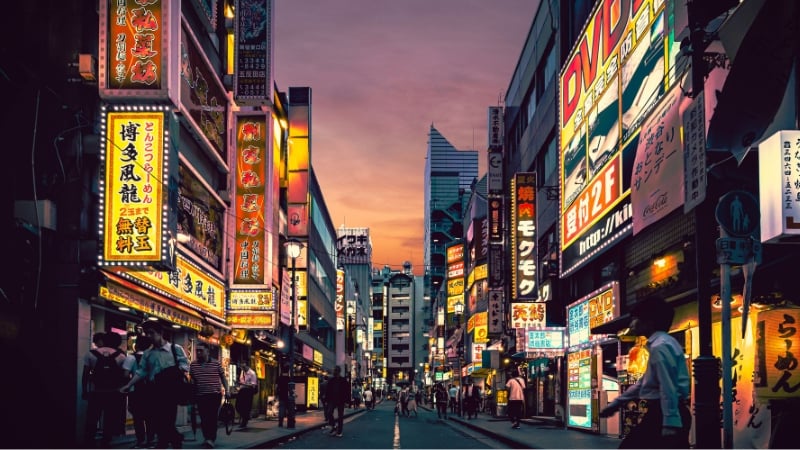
[
  {"x": 455, "y": 287},
  {"x": 257, "y": 320},
  {"x": 250, "y": 300},
  {"x": 140, "y": 302},
  {"x": 318, "y": 357},
  {"x": 188, "y": 283},
  {"x": 777, "y": 374},
  {"x": 313, "y": 391},
  {"x": 133, "y": 196}
]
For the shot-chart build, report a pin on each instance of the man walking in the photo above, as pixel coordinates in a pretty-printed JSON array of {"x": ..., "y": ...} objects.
[
  {"x": 103, "y": 375},
  {"x": 157, "y": 361},
  {"x": 248, "y": 383},
  {"x": 664, "y": 385},
  {"x": 337, "y": 394},
  {"x": 209, "y": 381},
  {"x": 516, "y": 398},
  {"x": 282, "y": 391}
]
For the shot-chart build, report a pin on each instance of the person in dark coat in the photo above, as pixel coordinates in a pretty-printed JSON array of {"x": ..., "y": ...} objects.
[
  {"x": 337, "y": 394},
  {"x": 282, "y": 391}
]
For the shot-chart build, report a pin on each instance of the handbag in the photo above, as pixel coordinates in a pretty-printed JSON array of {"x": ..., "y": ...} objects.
[{"x": 183, "y": 389}]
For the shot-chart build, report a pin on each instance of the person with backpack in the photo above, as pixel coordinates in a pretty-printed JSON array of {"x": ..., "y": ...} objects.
[{"x": 103, "y": 375}]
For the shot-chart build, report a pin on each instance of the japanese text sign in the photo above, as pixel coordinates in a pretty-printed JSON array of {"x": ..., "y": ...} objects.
[
  {"x": 523, "y": 237},
  {"x": 251, "y": 147},
  {"x": 595, "y": 309},
  {"x": 253, "y": 52},
  {"x": 777, "y": 372},
  {"x": 779, "y": 186}
]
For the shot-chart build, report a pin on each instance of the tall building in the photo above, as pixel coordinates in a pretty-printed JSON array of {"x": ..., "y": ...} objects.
[{"x": 449, "y": 173}]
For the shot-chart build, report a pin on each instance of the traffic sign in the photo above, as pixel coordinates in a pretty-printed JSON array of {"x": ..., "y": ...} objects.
[{"x": 738, "y": 213}]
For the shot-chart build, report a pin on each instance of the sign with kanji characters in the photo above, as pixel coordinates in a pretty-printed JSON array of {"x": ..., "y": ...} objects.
[
  {"x": 595, "y": 309},
  {"x": 242, "y": 300},
  {"x": 777, "y": 372},
  {"x": 617, "y": 70},
  {"x": 353, "y": 246},
  {"x": 253, "y": 52},
  {"x": 250, "y": 199},
  {"x": 523, "y": 237},
  {"x": 338, "y": 305},
  {"x": 141, "y": 302},
  {"x": 188, "y": 283},
  {"x": 528, "y": 314},
  {"x": 201, "y": 216},
  {"x": 137, "y": 213},
  {"x": 479, "y": 327},
  {"x": 657, "y": 179},
  {"x": 544, "y": 339},
  {"x": 136, "y": 55},
  {"x": 779, "y": 187}
]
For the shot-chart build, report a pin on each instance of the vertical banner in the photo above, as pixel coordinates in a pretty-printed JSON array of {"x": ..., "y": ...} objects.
[
  {"x": 523, "y": 237},
  {"x": 251, "y": 147},
  {"x": 136, "y": 57},
  {"x": 299, "y": 157},
  {"x": 496, "y": 312},
  {"x": 138, "y": 228},
  {"x": 286, "y": 298},
  {"x": 694, "y": 153},
  {"x": 657, "y": 179},
  {"x": 252, "y": 79},
  {"x": 339, "y": 305}
]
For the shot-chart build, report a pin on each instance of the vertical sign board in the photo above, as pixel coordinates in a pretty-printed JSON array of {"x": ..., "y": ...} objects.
[
  {"x": 579, "y": 388},
  {"x": 201, "y": 217},
  {"x": 299, "y": 155},
  {"x": 613, "y": 76},
  {"x": 779, "y": 187},
  {"x": 137, "y": 215},
  {"x": 523, "y": 237},
  {"x": 455, "y": 274},
  {"x": 777, "y": 374},
  {"x": 252, "y": 80},
  {"x": 251, "y": 148},
  {"x": 338, "y": 306},
  {"x": 694, "y": 153},
  {"x": 136, "y": 58}
]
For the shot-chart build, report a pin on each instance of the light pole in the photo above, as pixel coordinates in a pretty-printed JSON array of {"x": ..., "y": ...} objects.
[
  {"x": 459, "y": 310},
  {"x": 293, "y": 247}
]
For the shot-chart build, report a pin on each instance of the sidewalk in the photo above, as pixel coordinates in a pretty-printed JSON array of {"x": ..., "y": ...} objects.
[
  {"x": 534, "y": 433},
  {"x": 260, "y": 432}
]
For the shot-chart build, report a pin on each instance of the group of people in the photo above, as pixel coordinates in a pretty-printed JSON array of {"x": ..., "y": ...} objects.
[
  {"x": 462, "y": 402},
  {"x": 147, "y": 377}
]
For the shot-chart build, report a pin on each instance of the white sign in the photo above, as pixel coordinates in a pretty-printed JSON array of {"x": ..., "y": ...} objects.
[
  {"x": 286, "y": 298},
  {"x": 694, "y": 153},
  {"x": 779, "y": 187},
  {"x": 657, "y": 177}
]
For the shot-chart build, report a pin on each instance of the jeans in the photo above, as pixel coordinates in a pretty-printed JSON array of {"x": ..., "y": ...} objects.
[
  {"x": 244, "y": 403},
  {"x": 109, "y": 405},
  {"x": 139, "y": 404},
  {"x": 282, "y": 404},
  {"x": 515, "y": 411}
]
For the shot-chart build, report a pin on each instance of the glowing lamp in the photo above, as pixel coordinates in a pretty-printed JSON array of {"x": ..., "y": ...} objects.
[{"x": 777, "y": 369}]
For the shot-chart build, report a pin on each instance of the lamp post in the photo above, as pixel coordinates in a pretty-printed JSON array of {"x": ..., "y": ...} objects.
[
  {"x": 293, "y": 247},
  {"x": 459, "y": 310}
]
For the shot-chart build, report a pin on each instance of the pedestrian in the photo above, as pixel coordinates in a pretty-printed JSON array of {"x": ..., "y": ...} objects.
[
  {"x": 158, "y": 366},
  {"x": 516, "y": 398},
  {"x": 665, "y": 383},
  {"x": 140, "y": 399},
  {"x": 248, "y": 384},
  {"x": 404, "y": 401},
  {"x": 369, "y": 402},
  {"x": 470, "y": 399},
  {"x": 282, "y": 391},
  {"x": 441, "y": 398},
  {"x": 209, "y": 381},
  {"x": 453, "y": 393},
  {"x": 323, "y": 396},
  {"x": 103, "y": 375},
  {"x": 411, "y": 404},
  {"x": 337, "y": 393}
]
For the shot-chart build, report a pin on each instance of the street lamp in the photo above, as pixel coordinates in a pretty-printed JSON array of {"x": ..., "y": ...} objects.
[
  {"x": 459, "y": 310},
  {"x": 293, "y": 247}
]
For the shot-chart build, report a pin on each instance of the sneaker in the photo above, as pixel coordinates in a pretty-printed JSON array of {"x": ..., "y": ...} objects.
[
  {"x": 208, "y": 444},
  {"x": 516, "y": 427},
  {"x": 338, "y": 434},
  {"x": 333, "y": 431}
]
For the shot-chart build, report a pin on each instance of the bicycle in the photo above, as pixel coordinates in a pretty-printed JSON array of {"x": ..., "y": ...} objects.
[{"x": 227, "y": 414}]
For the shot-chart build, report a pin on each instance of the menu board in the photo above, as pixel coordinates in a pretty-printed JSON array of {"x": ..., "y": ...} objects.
[{"x": 579, "y": 388}]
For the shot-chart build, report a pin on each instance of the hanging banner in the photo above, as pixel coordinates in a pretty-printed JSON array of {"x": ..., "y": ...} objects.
[
  {"x": 523, "y": 237},
  {"x": 253, "y": 52},
  {"x": 657, "y": 179}
]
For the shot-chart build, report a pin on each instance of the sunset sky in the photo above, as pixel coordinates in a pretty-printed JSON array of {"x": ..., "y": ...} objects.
[{"x": 381, "y": 72}]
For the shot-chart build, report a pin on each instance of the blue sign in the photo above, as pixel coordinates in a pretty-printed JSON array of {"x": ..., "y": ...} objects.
[{"x": 738, "y": 213}]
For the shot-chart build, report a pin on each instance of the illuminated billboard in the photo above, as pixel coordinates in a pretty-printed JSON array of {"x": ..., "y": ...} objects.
[
  {"x": 611, "y": 80},
  {"x": 135, "y": 55},
  {"x": 253, "y": 52},
  {"x": 201, "y": 217},
  {"x": 599, "y": 307},
  {"x": 137, "y": 213},
  {"x": 523, "y": 237},
  {"x": 251, "y": 154}
]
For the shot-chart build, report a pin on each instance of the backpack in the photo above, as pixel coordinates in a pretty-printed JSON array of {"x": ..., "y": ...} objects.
[
  {"x": 441, "y": 396},
  {"x": 107, "y": 374}
]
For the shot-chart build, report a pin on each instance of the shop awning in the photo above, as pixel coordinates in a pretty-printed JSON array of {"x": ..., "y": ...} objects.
[
  {"x": 126, "y": 293},
  {"x": 482, "y": 372}
]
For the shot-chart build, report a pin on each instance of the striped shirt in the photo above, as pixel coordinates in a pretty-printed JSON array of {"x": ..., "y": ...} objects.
[{"x": 208, "y": 377}]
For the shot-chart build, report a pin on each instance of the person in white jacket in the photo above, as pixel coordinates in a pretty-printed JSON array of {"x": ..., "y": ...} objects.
[{"x": 516, "y": 398}]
